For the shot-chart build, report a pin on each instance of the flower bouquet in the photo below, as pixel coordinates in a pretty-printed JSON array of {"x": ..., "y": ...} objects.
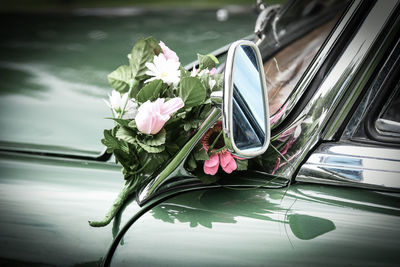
[{"x": 157, "y": 107}]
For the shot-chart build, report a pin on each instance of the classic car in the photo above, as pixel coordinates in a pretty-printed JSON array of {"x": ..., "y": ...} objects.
[{"x": 324, "y": 192}]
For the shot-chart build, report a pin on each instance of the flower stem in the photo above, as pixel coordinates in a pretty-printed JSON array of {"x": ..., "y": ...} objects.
[
  {"x": 218, "y": 150},
  {"x": 126, "y": 191},
  {"x": 213, "y": 143}
]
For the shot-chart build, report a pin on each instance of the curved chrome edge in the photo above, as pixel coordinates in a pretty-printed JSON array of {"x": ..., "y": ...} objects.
[
  {"x": 175, "y": 168},
  {"x": 353, "y": 165},
  {"x": 227, "y": 103}
]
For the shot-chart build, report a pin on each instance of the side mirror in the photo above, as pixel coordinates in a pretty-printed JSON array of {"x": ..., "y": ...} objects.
[{"x": 245, "y": 101}]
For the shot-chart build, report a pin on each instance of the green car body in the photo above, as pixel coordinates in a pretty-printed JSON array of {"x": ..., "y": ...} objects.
[
  {"x": 49, "y": 190},
  {"x": 46, "y": 203}
]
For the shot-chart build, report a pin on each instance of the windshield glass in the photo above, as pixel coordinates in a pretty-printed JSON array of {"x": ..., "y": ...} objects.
[
  {"x": 294, "y": 37},
  {"x": 54, "y": 68},
  {"x": 284, "y": 69}
]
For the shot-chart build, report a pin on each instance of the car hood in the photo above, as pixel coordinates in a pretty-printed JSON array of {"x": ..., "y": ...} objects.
[
  {"x": 46, "y": 204},
  {"x": 303, "y": 225},
  {"x": 45, "y": 207}
]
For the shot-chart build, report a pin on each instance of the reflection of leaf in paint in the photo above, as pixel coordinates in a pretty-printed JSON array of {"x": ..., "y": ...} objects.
[
  {"x": 195, "y": 217},
  {"x": 308, "y": 227}
]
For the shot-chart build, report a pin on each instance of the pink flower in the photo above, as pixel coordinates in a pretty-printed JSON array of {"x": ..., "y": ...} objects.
[
  {"x": 217, "y": 158},
  {"x": 152, "y": 116},
  {"x": 213, "y": 71},
  {"x": 168, "y": 53},
  {"x": 211, "y": 165}
]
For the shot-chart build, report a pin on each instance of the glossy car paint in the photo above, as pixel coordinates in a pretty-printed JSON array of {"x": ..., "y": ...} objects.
[
  {"x": 45, "y": 207},
  {"x": 301, "y": 225},
  {"x": 46, "y": 202}
]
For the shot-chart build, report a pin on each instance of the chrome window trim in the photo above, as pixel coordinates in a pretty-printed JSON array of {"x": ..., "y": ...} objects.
[
  {"x": 353, "y": 165},
  {"x": 346, "y": 163},
  {"x": 388, "y": 126},
  {"x": 314, "y": 117}
]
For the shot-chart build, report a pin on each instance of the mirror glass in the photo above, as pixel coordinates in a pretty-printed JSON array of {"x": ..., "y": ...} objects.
[{"x": 248, "y": 103}]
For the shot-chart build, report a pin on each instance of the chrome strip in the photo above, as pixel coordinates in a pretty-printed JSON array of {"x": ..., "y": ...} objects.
[
  {"x": 353, "y": 165},
  {"x": 392, "y": 127},
  {"x": 304, "y": 132}
]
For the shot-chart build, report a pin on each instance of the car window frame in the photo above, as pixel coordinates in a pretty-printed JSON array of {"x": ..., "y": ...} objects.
[{"x": 389, "y": 87}]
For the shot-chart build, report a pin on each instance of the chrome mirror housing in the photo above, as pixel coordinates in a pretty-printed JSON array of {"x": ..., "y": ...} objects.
[{"x": 245, "y": 101}]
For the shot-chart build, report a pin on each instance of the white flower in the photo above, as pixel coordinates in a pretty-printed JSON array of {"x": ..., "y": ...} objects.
[
  {"x": 163, "y": 69},
  {"x": 117, "y": 103},
  {"x": 194, "y": 71},
  {"x": 211, "y": 83}
]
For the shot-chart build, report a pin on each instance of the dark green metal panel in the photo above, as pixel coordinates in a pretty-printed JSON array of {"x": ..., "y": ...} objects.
[
  {"x": 307, "y": 225},
  {"x": 45, "y": 205}
]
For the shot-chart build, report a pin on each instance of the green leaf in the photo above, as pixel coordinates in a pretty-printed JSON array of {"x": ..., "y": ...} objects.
[
  {"x": 184, "y": 72},
  {"x": 142, "y": 52},
  {"x": 219, "y": 78},
  {"x": 191, "y": 163},
  {"x": 110, "y": 141},
  {"x": 124, "y": 158},
  {"x": 207, "y": 61},
  {"x": 205, "y": 111},
  {"x": 126, "y": 135},
  {"x": 191, "y": 91},
  {"x": 192, "y": 124},
  {"x": 150, "y": 91},
  {"x": 153, "y": 43},
  {"x": 119, "y": 78},
  {"x": 154, "y": 140},
  {"x": 172, "y": 148},
  {"x": 152, "y": 149},
  {"x": 204, "y": 81},
  {"x": 132, "y": 124},
  {"x": 121, "y": 122},
  {"x": 152, "y": 162},
  {"x": 241, "y": 164},
  {"x": 200, "y": 154}
]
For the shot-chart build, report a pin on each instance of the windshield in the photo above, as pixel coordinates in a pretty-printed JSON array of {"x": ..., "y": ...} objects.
[
  {"x": 295, "y": 36},
  {"x": 54, "y": 68},
  {"x": 285, "y": 68}
]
